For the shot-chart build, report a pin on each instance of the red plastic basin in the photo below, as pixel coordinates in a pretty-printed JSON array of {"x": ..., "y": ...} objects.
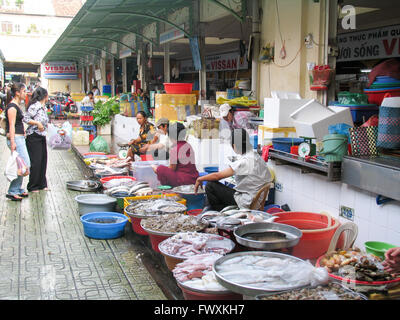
[
  {"x": 376, "y": 97},
  {"x": 317, "y": 232},
  {"x": 136, "y": 227},
  {"x": 178, "y": 88},
  {"x": 194, "y": 212},
  {"x": 194, "y": 295},
  {"x": 155, "y": 240}
]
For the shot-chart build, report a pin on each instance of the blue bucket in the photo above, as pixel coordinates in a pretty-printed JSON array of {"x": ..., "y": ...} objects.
[
  {"x": 284, "y": 144},
  {"x": 104, "y": 225},
  {"x": 194, "y": 201},
  {"x": 211, "y": 169},
  {"x": 202, "y": 174}
]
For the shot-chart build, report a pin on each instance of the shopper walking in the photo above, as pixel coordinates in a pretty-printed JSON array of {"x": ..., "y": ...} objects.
[
  {"x": 15, "y": 133},
  {"x": 36, "y": 116}
]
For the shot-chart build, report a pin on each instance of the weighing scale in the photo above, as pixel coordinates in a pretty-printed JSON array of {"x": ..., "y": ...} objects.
[
  {"x": 307, "y": 148},
  {"x": 123, "y": 150}
]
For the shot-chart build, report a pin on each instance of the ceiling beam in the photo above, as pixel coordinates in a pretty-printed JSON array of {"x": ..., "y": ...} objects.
[
  {"x": 89, "y": 47},
  {"x": 147, "y": 16},
  {"x": 232, "y": 12},
  {"x": 101, "y": 38},
  {"x": 95, "y": 28}
]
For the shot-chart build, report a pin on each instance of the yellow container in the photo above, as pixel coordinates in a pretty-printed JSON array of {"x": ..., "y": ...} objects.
[
  {"x": 271, "y": 133},
  {"x": 175, "y": 106},
  {"x": 158, "y": 196}
]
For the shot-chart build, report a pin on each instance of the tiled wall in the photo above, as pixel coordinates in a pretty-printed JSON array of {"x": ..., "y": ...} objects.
[{"x": 314, "y": 193}]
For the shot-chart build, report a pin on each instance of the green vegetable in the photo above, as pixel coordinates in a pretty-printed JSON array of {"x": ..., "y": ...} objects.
[{"x": 103, "y": 111}]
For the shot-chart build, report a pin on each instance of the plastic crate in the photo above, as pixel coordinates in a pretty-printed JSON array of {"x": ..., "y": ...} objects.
[
  {"x": 86, "y": 108},
  {"x": 87, "y": 118}
]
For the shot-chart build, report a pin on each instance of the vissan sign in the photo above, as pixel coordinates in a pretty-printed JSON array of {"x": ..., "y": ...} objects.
[{"x": 60, "y": 70}]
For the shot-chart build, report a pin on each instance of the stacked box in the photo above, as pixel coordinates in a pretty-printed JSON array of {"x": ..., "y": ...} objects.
[
  {"x": 266, "y": 134},
  {"x": 176, "y": 106}
]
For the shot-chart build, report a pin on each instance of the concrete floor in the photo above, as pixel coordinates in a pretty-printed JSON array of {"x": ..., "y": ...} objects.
[{"x": 44, "y": 254}]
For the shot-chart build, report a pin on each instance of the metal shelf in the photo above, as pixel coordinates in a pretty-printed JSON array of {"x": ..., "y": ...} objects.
[{"x": 332, "y": 170}]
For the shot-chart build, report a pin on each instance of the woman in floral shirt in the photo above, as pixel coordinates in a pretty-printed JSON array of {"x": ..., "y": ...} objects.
[
  {"x": 36, "y": 139},
  {"x": 146, "y": 135}
]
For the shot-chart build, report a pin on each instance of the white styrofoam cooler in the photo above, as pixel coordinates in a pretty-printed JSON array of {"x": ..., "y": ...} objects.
[
  {"x": 313, "y": 119},
  {"x": 277, "y": 111}
]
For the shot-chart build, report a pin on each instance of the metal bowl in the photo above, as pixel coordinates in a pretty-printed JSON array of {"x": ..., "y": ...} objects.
[
  {"x": 293, "y": 235},
  {"x": 231, "y": 244},
  {"x": 248, "y": 290},
  {"x": 83, "y": 185},
  {"x": 145, "y": 216},
  {"x": 187, "y": 189},
  {"x": 166, "y": 234}
]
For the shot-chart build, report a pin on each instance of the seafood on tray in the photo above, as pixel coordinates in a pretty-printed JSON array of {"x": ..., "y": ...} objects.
[
  {"x": 331, "y": 291},
  {"x": 136, "y": 188},
  {"x": 102, "y": 170},
  {"x": 196, "y": 272},
  {"x": 153, "y": 207},
  {"x": 172, "y": 223},
  {"x": 232, "y": 216},
  {"x": 270, "y": 273},
  {"x": 124, "y": 182},
  {"x": 188, "y": 189},
  {"x": 113, "y": 163},
  {"x": 355, "y": 265},
  {"x": 188, "y": 244}
]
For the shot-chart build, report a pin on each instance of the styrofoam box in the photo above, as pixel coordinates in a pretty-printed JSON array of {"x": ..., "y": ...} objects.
[
  {"x": 277, "y": 111},
  {"x": 313, "y": 119}
]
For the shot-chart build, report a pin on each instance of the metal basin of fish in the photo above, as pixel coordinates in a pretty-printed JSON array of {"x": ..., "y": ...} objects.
[
  {"x": 152, "y": 208},
  {"x": 267, "y": 235},
  {"x": 83, "y": 185},
  {"x": 187, "y": 189},
  {"x": 244, "y": 283}
]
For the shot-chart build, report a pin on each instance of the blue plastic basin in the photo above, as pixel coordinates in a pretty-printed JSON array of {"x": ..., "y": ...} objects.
[
  {"x": 194, "y": 201},
  {"x": 211, "y": 169},
  {"x": 104, "y": 225},
  {"x": 284, "y": 144}
]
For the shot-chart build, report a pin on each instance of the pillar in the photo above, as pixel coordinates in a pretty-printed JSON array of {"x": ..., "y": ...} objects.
[
  {"x": 112, "y": 77},
  {"x": 256, "y": 46},
  {"x": 167, "y": 68},
  {"x": 124, "y": 76}
]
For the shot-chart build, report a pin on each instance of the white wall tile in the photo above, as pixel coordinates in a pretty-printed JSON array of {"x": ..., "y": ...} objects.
[
  {"x": 393, "y": 210},
  {"x": 379, "y": 215},
  {"x": 332, "y": 195},
  {"x": 377, "y": 233},
  {"x": 393, "y": 238},
  {"x": 363, "y": 203},
  {"x": 363, "y": 232},
  {"x": 347, "y": 196}
]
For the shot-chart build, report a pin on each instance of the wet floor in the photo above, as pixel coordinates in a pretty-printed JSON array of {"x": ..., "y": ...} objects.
[{"x": 44, "y": 254}]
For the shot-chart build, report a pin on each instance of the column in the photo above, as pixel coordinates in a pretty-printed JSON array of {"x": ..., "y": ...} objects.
[
  {"x": 167, "y": 68},
  {"x": 124, "y": 76},
  {"x": 112, "y": 77},
  {"x": 256, "y": 47}
]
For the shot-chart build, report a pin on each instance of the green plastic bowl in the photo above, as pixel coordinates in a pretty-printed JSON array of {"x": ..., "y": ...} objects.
[{"x": 378, "y": 248}]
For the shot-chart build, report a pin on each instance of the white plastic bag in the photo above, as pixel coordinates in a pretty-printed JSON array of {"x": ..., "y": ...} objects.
[
  {"x": 51, "y": 131},
  {"x": 67, "y": 127},
  {"x": 11, "y": 170}
]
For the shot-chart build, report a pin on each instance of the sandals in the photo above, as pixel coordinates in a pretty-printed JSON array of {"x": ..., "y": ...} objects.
[
  {"x": 24, "y": 195},
  {"x": 14, "y": 197}
]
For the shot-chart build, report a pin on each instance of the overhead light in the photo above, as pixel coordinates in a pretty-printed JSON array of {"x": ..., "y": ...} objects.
[{"x": 366, "y": 70}]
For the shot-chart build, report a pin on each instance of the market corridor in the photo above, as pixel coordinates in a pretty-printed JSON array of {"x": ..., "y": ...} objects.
[{"x": 44, "y": 254}]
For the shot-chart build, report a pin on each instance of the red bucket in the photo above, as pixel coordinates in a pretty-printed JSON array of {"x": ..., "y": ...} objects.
[
  {"x": 377, "y": 96},
  {"x": 317, "y": 228},
  {"x": 178, "y": 88},
  {"x": 195, "y": 295},
  {"x": 136, "y": 227},
  {"x": 155, "y": 240},
  {"x": 194, "y": 212},
  {"x": 146, "y": 157}
]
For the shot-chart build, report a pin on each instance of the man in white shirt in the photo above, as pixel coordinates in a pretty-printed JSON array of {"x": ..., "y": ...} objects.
[
  {"x": 250, "y": 171},
  {"x": 161, "y": 143},
  {"x": 88, "y": 100},
  {"x": 96, "y": 91}
]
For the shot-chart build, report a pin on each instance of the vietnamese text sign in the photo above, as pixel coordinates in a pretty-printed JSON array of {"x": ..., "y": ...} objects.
[
  {"x": 60, "y": 70},
  {"x": 220, "y": 62},
  {"x": 172, "y": 35},
  {"x": 369, "y": 44}
]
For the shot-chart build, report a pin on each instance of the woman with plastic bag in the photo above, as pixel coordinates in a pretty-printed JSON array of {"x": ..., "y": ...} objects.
[
  {"x": 15, "y": 133},
  {"x": 36, "y": 116}
]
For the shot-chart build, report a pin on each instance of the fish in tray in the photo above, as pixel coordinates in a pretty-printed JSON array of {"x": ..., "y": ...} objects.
[
  {"x": 137, "y": 188},
  {"x": 119, "y": 183},
  {"x": 232, "y": 216},
  {"x": 154, "y": 207}
]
